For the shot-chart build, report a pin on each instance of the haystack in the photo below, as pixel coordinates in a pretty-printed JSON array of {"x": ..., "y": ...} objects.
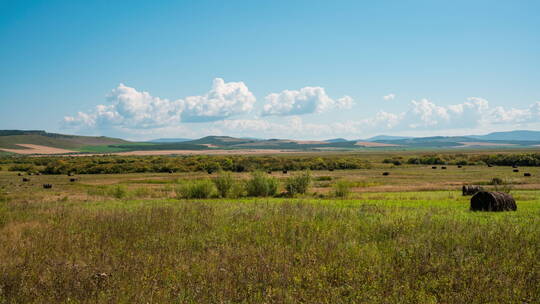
[{"x": 493, "y": 201}]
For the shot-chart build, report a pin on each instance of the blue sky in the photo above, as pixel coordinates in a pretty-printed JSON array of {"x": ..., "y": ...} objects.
[{"x": 286, "y": 69}]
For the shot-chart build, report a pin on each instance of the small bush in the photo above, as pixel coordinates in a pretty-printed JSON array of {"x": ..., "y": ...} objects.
[
  {"x": 224, "y": 183},
  {"x": 119, "y": 192},
  {"x": 196, "y": 189},
  {"x": 298, "y": 184},
  {"x": 342, "y": 189},
  {"x": 261, "y": 184},
  {"x": 503, "y": 186},
  {"x": 496, "y": 181}
]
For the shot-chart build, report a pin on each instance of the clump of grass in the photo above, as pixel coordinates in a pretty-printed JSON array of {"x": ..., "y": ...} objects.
[
  {"x": 341, "y": 189},
  {"x": 224, "y": 183},
  {"x": 298, "y": 184},
  {"x": 196, "y": 189},
  {"x": 261, "y": 184},
  {"x": 119, "y": 192},
  {"x": 501, "y": 185},
  {"x": 496, "y": 181}
]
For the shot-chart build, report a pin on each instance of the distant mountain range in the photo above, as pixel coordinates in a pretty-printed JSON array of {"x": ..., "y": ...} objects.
[
  {"x": 13, "y": 140},
  {"x": 510, "y": 135},
  {"x": 169, "y": 140},
  {"x": 386, "y": 137}
]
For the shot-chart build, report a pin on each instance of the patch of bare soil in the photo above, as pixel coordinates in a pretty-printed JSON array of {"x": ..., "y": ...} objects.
[
  {"x": 483, "y": 144},
  {"x": 37, "y": 149},
  {"x": 373, "y": 144}
]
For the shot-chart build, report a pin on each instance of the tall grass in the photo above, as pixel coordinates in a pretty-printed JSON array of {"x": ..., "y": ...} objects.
[
  {"x": 341, "y": 188},
  {"x": 196, "y": 189},
  {"x": 269, "y": 251}
]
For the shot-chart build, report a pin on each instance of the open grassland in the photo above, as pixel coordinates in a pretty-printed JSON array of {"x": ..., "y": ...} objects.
[{"x": 408, "y": 237}]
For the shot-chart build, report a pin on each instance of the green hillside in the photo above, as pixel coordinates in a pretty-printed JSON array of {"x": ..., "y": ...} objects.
[{"x": 10, "y": 138}]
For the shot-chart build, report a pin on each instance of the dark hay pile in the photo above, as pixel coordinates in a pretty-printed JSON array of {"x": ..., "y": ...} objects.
[
  {"x": 493, "y": 201},
  {"x": 471, "y": 190}
]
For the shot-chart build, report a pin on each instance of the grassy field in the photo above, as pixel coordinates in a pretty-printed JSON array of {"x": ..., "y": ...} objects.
[{"x": 404, "y": 238}]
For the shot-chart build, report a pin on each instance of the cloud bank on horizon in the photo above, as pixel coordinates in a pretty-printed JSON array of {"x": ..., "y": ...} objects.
[{"x": 228, "y": 108}]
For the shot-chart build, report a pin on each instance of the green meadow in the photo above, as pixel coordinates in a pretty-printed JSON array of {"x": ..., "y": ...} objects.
[{"x": 132, "y": 238}]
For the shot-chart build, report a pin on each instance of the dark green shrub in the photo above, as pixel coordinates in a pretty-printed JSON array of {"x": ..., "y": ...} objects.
[
  {"x": 224, "y": 184},
  {"x": 196, "y": 189},
  {"x": 298, "y": 184},
  {"x": 261, "y": 184}
]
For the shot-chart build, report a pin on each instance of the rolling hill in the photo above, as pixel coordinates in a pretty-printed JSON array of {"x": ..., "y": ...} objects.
[
  {"x": 23, "y": 142},
  {"x": 11, "y": 139}
]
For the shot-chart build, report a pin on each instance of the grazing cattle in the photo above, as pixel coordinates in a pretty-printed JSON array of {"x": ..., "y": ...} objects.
[
  {"x": 490, "y": 166},
  {"x": 47, "y": 186},
  {"x": 72, "y": 180},
  {"x": 386, "y": 173},
  {"x": 25, "y": 179},
  {"x": 269, "y": 172},
  {"x": 19, "y": 174},
  {"x": 284, "y": 171},
  {"x": 331, "y": 169},
  {"x": 527, "y": 174},
  {"x": 516, "y": 170},
  {"x": 210, "y": 171},
  {"x": 493, "y": 201},
  {"x": 471, "y": 190},
  {"x": 434, "y": 167},
  {"x": 459, "y": 166},
  {"x": 444, "y": 168}
]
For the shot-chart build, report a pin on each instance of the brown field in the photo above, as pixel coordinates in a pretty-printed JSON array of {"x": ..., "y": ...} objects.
[
  {"x": 37, "y": 149},
  {"x": 482, "y": 144},
  {"x": 374, "y": 144},
  {"x": 205, "y": 152}
]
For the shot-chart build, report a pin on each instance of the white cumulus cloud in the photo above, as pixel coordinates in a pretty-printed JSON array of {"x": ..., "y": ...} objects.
[
  {"x": 130, "y": 108},
  {"x": 389, "y": 97},
  {"x": 304, "y": 101},
  {"x": 224, "y": 100}
]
